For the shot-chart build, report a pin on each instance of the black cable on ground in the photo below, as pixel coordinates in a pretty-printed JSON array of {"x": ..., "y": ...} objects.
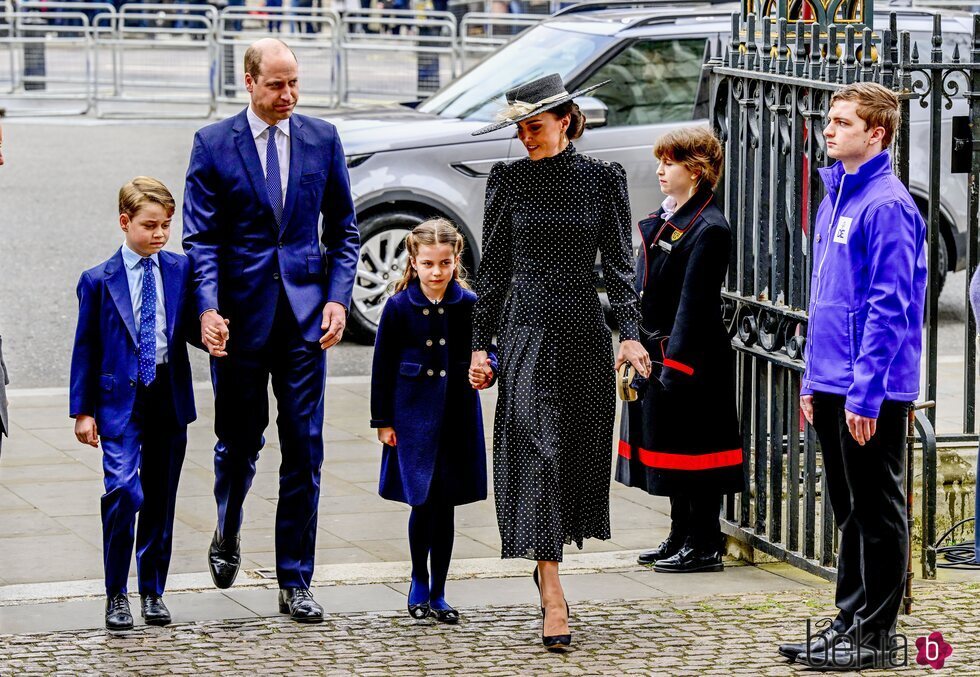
[{"x": 959, "y": 555}]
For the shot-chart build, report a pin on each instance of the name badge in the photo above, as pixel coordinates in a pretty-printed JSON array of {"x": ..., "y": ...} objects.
[
  {"x": 664, "y": 245},
  {"x": 842, "y": 229}
]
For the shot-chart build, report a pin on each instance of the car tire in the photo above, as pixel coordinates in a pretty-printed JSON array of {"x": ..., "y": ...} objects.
[{"x": 380, "y": 264}]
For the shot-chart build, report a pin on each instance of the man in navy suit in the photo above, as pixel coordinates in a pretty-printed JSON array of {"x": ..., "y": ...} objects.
[
  {"x": 131, "y": 387},
  {"x": 273, "y": 287}
]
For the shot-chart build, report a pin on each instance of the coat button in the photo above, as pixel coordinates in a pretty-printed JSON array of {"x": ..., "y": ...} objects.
[
  {"x": 275, "y": 276},
  {"x": 442, "y": 372},
  {"x": 428, "y": 342},
  {"x": 425, "y": 311},
  {"x": 132, "y": 383},
  {"x": 430, "y": 372},
  {"x": 280, "y": 245},
  {"x": 442, "y": 342},
  {"x": 442, "y": 310}
]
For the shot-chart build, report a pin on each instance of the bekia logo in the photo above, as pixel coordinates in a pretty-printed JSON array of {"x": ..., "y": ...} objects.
[{"x": 933, "y": 650}]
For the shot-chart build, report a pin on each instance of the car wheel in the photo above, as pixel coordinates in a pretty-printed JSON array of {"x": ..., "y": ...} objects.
[{"x": 381, "y": 264}]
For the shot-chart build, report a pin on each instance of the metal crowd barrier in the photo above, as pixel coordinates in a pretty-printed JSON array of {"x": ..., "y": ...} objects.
[
  {"x": 158, "y": 57},
  {"x": 397, "y": 52},
  {"x": 185, "y": 59},
  {"x": 312, "y": 34},
  {"x": 481, "y": 33},
  {"x": 45, "y": 63}
]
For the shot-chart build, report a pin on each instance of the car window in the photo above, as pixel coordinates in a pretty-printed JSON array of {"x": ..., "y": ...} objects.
[
  {"x": 653, "y": 81},
  {"x": 479, "y": 93}
]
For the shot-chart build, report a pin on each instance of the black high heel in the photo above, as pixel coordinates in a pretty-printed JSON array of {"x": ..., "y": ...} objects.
[{"x": 555, "y": 643}]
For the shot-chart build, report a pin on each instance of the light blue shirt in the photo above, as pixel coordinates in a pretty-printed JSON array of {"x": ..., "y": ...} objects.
[
  {"x": 260, "y": 133},
  {"x": 134, "y": 273}
]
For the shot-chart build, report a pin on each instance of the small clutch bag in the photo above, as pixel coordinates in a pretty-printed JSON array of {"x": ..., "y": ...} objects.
[{"x": 624, "y": 383}]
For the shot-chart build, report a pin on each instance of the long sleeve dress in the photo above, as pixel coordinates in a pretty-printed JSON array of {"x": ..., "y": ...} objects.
[{"x": 545, "y": 221}]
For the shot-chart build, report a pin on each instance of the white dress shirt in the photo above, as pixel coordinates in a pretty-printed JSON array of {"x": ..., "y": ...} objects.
[
  {"x": 260, "y": 132},
  {"x": 134, "y": 273}
]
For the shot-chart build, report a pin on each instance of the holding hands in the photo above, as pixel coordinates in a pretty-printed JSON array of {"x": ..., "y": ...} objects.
[
  {"x": 214, "y": 333},
  {"x": 481, "y": 370}
]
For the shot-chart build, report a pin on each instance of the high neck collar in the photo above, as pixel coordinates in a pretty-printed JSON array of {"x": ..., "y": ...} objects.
[
  {"x": 566, "y": 155},
  {"x": 415, "y": 294},
  {"x": 834, "y": 175},
  {"x": 687, "y": 212}
]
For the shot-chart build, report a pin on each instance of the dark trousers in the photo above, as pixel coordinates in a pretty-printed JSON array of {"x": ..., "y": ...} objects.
[
  {"x": 241, "y": 401},
  {"x": 697, "y": 519},
  {"x": 867, "y": 492},
  {"x": 142, "y": 468}
]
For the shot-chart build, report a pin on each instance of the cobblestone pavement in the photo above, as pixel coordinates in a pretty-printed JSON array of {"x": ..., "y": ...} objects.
[{"x": 719, "y": 635}]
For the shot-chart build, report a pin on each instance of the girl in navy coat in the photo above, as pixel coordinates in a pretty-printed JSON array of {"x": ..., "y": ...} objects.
[{"x": 425, "y": 409}]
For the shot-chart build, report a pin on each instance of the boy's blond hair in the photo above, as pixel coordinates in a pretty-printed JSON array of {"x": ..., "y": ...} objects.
[
  {"x": 876, "y": 105},
  {"x": 143, "y": 190}
]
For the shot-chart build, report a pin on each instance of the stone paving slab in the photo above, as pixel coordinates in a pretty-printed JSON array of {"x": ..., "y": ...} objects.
[
  {"x": 719, "y": 634},
  {"x": 50, "y": 487}
]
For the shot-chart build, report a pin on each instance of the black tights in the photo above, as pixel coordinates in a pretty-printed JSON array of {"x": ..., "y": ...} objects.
[{"x": 431, "y": 530}]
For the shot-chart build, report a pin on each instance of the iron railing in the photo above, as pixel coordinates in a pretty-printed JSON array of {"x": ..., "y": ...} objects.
[{"x": 770, "y": 89}]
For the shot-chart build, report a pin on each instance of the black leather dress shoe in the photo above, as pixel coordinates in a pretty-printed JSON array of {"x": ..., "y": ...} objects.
[
  {"x": 823, "y": 639},
  {"x": 153, "y": 610},
  {"x": 844, "y": 656},
  {"x": 117, "y": 613},
  {"x": 668, "y": 548},
  {"x": 224, "y": 559},
  {"x": 300, "y": 605},
  {"x": 688, "y": 560}
]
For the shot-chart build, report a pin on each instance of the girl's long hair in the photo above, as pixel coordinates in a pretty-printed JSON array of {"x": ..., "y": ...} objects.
[{"x": 433, "y": 232}]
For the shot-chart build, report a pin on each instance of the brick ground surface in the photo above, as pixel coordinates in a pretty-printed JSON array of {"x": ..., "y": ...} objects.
[{"x": 719, "y": 635}]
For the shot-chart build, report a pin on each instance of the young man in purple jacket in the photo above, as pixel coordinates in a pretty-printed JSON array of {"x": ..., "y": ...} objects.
[{"x": 864, "y": 343}]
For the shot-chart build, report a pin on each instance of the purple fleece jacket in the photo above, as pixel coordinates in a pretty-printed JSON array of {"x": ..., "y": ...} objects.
[{"x": 867, "y": 291}]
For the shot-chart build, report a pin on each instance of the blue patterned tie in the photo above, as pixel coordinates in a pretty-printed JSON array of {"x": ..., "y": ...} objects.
[
  {"x": 273, "y": 180},
  {"x": 148, "y": 326}
]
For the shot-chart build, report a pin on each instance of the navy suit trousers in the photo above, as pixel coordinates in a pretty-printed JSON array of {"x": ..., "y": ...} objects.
[
  {"x": 241, "y": 381},
  {"x": 142, "y": 468}
]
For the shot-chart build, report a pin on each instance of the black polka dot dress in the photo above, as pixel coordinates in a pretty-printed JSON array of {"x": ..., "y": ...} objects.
[{"x": 545, "y": 221}]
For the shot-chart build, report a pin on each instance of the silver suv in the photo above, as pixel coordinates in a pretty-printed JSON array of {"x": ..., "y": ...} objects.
[{"x": 410, "y": 162}]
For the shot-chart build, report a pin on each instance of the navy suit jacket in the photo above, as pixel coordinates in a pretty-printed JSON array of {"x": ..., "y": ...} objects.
[
  {"x": 104, "y": 361},
  {"x": 241, "y": 256}
]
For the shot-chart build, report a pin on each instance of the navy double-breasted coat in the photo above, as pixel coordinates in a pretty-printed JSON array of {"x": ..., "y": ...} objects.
[{"x": 420, "y": 387}]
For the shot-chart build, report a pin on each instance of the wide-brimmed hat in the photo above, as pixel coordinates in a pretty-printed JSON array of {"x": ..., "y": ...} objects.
[{"x": 534, "y": 97}]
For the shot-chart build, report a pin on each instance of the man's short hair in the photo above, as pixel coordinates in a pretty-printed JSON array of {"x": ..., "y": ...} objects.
[
  {"x": 876, "y": 105},
  {"x": 253, "y": 59},
  {"x": 144, "y": 190},
  {"x": 697, "y": 148}
]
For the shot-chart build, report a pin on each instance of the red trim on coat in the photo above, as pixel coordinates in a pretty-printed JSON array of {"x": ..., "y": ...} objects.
[
  {"x": 679, "y": 366},
  {"x": 694, "y": 218},
  {"x": 665, "y": 460}
]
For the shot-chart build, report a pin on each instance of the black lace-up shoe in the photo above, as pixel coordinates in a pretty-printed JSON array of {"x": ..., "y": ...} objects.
[
  {"x": 117, "y": 613},
  {"x": 300, "y": 605},
  {"x": 224, "y": 559},
  {"x": 153, "y": 610}
]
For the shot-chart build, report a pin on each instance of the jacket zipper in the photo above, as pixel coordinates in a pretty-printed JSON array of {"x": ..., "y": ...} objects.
[{"x": 833, "y": 220}]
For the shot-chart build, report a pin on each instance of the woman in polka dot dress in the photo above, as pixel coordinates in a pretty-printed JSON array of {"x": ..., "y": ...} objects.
[{"x": 546, "y": 218}]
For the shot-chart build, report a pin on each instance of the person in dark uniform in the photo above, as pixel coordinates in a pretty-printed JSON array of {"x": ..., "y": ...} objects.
[
  {"x": 681, "y": 439},
  {"x": 547, "y": 216}
]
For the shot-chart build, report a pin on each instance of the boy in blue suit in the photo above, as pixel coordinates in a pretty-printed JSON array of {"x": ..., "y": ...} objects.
[{"x": 131, "y": 387}]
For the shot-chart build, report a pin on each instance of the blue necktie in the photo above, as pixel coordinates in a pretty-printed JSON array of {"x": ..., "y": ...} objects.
[
  {"x": 273, "y": 180},
  {"x": 148, "y": 326}
]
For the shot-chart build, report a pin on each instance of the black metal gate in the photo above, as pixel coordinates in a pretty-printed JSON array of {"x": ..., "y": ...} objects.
[{"x": 770, "y": 90}]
